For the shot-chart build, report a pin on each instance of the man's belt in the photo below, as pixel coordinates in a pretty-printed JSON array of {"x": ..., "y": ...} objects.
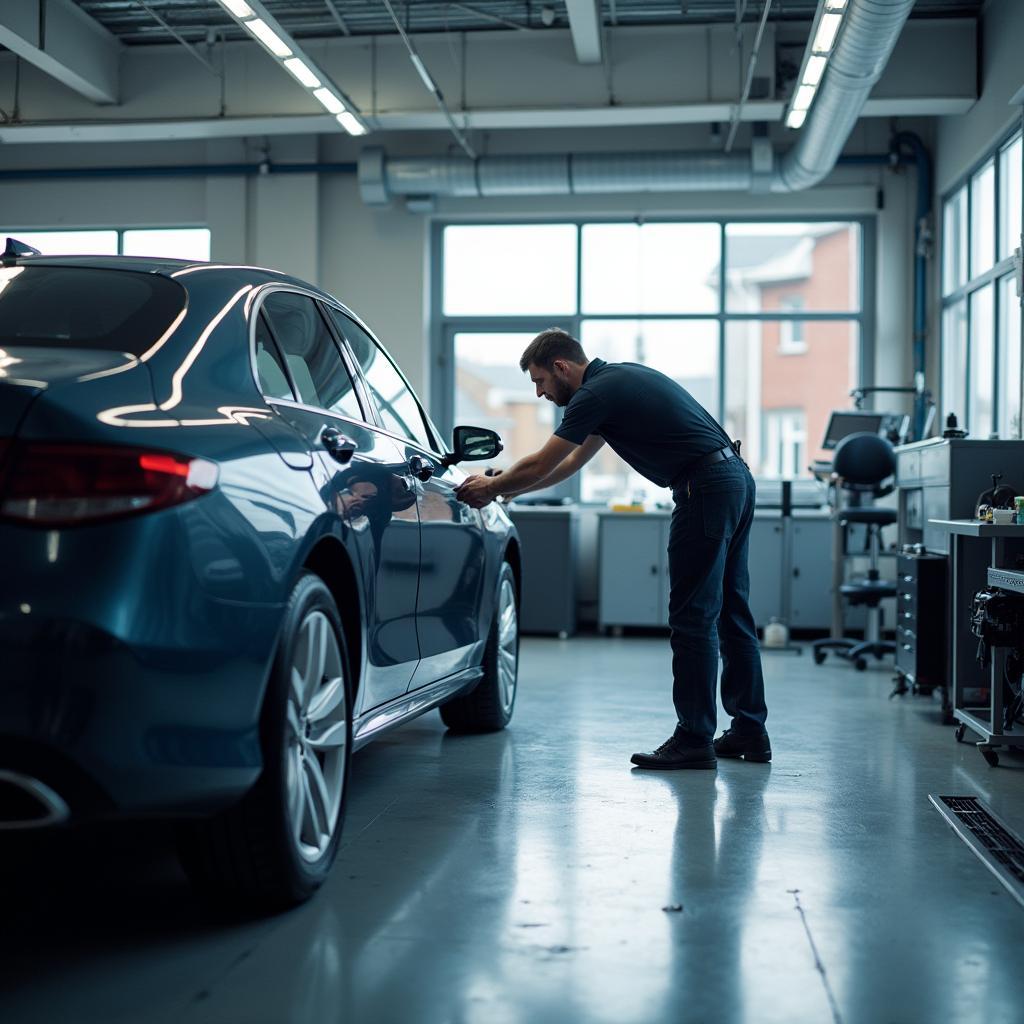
[{"x": 705, "y": 460}]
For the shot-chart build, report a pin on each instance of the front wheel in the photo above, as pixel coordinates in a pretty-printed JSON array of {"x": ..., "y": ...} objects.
[
  {"x": 488, "y": 707},
  {"x": 275, "y": 848}
]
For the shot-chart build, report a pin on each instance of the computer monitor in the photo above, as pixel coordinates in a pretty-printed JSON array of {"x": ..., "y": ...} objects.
[{"x": 842, "y": 424}]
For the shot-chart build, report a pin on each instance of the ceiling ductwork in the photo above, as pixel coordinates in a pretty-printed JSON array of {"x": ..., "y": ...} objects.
[{"x": 865, "y": 44}]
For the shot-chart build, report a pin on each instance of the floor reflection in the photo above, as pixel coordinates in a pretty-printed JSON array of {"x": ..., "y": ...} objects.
[{"x": 716, "y": 853}]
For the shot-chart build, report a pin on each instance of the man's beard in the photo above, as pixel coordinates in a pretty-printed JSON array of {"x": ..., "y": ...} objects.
[{"x": 561, "y": 393}]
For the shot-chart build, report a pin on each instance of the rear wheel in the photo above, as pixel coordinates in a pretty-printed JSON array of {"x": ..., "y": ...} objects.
[
  {"x": 275, "y": 848},
  {"x": 488, "y": 707}
]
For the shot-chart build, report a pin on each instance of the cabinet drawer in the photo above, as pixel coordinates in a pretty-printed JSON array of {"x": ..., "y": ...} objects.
[
  {"x": 935, "y": 464},
  {"x": 906, "y": 658},
  {"x": 908, "y": 468}
]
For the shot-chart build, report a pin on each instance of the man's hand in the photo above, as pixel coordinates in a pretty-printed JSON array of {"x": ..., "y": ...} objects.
[{"x": 477, "y": 491}]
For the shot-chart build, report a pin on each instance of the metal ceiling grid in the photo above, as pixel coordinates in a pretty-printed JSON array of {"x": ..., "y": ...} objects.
[{"x": 195, "y": 20}]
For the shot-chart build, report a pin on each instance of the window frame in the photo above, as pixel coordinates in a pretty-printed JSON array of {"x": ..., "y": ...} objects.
[
  {"x": 120, "y": 231},
  {"x": 438, "y": 448},
  {"x": 256, "y": 311},
  {"x": 995, "y": 276},
  {"x": 442, "y": 328}
]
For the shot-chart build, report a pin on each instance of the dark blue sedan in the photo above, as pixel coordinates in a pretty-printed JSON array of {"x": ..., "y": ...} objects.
[{"x": 231, "y": 555}]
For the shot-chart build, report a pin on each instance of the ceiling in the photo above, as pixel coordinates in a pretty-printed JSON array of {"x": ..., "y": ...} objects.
[{"x": 138, "y": 22}]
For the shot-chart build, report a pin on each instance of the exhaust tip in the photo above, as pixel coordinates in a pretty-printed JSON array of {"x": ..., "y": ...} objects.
[{"x": 27, "y": 803}]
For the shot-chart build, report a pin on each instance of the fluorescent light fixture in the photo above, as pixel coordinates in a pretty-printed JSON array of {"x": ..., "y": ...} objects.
[
  {"x": 239, "y": 8},
  {"x": 268, "y": 37},
  {"x": 254, "y": 17},
  {"x": 828, "y": 28},
  {"x": 351, "y": 123},
  {"x": 814, "y": 70},
  {"x": 300, "y": 71},
  {"x": 329, "y": 101},
  {"x": 418, "y": 64},
  {"x": 804, "y": 97},
  {"x": 835, "y": 5},
  {"x": 796, "y": 118}
]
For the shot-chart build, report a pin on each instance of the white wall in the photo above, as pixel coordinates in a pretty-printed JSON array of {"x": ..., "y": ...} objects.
[
  {"x": 377, "y": 260},
  {"x": 961, "y": 141}
]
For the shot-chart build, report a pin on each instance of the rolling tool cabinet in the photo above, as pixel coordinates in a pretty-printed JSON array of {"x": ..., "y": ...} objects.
[{"x": 921, "y": 609}]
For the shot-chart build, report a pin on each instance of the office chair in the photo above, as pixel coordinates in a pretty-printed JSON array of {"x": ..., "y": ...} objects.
[{"x": 864, "y": 464}]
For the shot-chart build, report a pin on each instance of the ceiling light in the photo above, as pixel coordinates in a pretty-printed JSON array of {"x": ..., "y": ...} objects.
[
  {"x": 330, "y": 101},
  {"x": 268, "y": 37},
  {"x": 814, "y": 70},
  {"x": 351, "y": 124},
  {"x": 239, "y": 8},
  {"x": 796, "y": 118},
  {"x": 301, "y": 71},
  {"x": 825, "y": 37},
  {"x": 835, "y": 5},
  {"x": 804, "y": 97}
]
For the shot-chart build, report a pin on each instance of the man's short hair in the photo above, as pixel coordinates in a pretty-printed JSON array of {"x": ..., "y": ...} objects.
[{"x": 549, "y": 345}]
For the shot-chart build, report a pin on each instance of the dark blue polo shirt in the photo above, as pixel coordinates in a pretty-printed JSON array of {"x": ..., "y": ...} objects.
[{"x": 647, "y": 419}]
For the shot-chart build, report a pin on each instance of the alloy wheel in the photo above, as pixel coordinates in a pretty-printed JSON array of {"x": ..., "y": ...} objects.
[
  {"x": 315, "y": 748},
  {"x": 508, "y": 645}
]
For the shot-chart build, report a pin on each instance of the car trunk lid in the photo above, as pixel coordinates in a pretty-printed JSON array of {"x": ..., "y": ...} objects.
[{"x": 26, "y": 372}]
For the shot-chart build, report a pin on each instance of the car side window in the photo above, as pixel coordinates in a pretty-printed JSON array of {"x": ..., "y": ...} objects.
[
  {"x": 398, "y": 406},
  {"x": 269, "y": 367},
  {"x": 311, "y": 354}
]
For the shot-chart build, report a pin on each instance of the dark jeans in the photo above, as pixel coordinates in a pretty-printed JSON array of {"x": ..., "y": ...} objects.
[{"x": 710, "y": 584}]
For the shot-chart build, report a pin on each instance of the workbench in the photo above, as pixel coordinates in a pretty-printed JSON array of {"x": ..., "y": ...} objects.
[{"x": 970, "y": 559}]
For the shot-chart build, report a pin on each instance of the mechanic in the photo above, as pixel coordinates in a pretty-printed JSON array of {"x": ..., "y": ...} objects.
[{"x": 659, "y": 429}]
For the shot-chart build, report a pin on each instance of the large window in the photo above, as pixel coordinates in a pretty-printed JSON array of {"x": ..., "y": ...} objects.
[
  {"x": 762, "y": 322},
  {"x": 163, "y": 243},
  {"x": 981, "y": 323}
]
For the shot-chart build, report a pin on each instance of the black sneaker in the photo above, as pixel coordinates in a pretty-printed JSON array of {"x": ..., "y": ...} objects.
[
  {"x": 676, "y": 753},
  {"x": 750, "y": 746}
]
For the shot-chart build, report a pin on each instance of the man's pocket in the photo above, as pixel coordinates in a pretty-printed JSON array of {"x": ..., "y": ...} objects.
[{"x": 722, "y": 507}]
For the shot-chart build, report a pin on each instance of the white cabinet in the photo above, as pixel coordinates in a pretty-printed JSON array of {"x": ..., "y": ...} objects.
[
  {"x": 811, "y": 597},
  {"x": 633, "y": 580}
]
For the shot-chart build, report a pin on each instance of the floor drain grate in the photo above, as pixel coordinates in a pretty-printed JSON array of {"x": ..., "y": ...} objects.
[{"x": 998, "y": 848}]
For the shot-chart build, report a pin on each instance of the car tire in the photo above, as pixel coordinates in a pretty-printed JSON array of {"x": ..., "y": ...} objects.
[
  {"x": 488, "y": 707},
  {"x": 275, "y": 847}
]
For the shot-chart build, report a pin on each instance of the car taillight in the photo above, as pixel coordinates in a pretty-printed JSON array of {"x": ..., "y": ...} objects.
[{"x": 66, "y": 484}]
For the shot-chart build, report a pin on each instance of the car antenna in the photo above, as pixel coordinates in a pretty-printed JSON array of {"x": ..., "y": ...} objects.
[{"x": 15, "y": 249}]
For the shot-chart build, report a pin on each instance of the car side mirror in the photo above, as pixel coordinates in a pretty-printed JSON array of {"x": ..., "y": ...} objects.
[{"x": 473, "y": 444}]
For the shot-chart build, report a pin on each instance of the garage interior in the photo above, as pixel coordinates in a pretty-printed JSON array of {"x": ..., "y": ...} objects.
[{"x": 809, "y": 214}]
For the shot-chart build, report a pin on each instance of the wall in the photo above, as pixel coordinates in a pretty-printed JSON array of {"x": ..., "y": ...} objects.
[
  {"x": 316, "y": 226},
  {"x": 961, "y": 141}
]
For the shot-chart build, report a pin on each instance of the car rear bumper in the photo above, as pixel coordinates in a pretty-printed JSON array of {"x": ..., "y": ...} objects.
[{"x": 124, "y": 689}]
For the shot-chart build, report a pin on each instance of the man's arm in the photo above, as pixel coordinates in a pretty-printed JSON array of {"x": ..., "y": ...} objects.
[
  {"x": 570, "y": 465},
  {"x": 526, "y": 474}
]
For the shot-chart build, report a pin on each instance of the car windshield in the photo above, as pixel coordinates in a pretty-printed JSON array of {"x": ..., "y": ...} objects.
[{"x": 83, "y": 307}]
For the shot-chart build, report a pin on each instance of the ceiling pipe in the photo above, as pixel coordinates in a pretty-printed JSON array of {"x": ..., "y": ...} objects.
[{"x": 865, "y": 44}]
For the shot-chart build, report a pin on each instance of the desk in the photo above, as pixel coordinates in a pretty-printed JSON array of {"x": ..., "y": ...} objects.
[{"x": 970, "y": 560}]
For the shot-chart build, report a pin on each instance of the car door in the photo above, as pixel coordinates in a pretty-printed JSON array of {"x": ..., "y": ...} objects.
[
  {"x": 364, "y": 476},
  {"x": 452, "y": 562}
]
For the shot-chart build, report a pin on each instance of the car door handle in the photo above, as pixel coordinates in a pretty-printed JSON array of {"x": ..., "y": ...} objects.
[
  {"x": 420, "y": 468},
  {"x": 339, "y": 447}
]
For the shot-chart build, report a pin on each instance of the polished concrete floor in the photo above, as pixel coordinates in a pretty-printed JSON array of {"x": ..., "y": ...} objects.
[{"x": 533, "y": 877}]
